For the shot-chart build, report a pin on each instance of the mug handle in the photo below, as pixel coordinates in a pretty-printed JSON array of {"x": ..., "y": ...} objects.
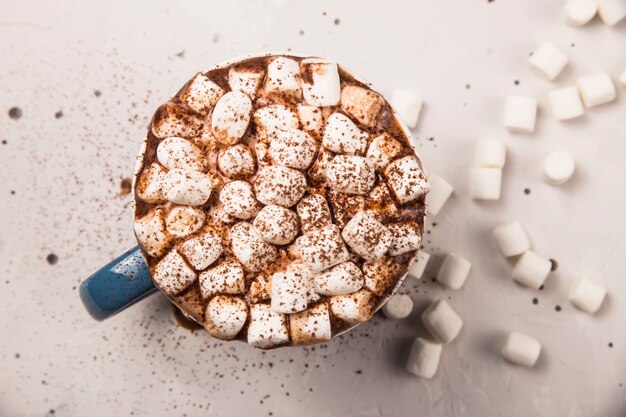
[{"x": 116, "y": 286}]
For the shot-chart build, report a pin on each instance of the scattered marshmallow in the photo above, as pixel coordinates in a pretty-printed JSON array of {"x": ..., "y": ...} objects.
[
  {"x": 236, "y": 161},
  {"x": 289, "y": 292},
  {"x": 267, "y": 328},
  {"x": 407, "y": 237},
  {"x": 246, "y": 78},
  {"x": 611, "y": 11},
  {"x": 182, "y": 221},
  {"x": 511, "y": 239},
  {"x": 367, "y": 236},
  {"x": 201, "y": 251},
  {"x": 172, "y": 274},
  {"x": 406, "y": 179},
  {"x": 398, "y": 307},
  {"x": 311, "y": 325},
  {"x": 353, "y": 308},
  {"x": 251, "y": 250},
  {"x": 151, "y": 234},
  {"x": 311, "y": 119},
  {"x": 362, "y": 104},
  {"x": 566, "y": 103},
  {"x": 320, "y": 82},
  {"x": 179, "y": 153},
  {"x": 596, "y": 88},
  {"x": 238, "y": 200},
  {"x": 417, "y": 268},
  {"x": 408, "y": 106},
  {"x": 201, "y": 94},
  {"x": 454, "y": 271},
  {"x": 293, "y": 148},
  {"x": 224, "y": 278},
  {"x": 520, "y": 114},
  {"x": 383, "y": 150},
  {"x": 276, "y": 224},
  {"x": 231, "y": 117},
  {"x": 280, "y": 185},
  {"x": 344, "y": 278},
  {"x": 173, "y": 120},
  {"x": 558, "y": 167},
  {"x": 424, "y": 358},
  {"x": 225, "y": 316},
  {"x": 275, "y": 117},
  {"x": 441, "y": 321},
  {"x": 322, "y": 248},
  {"x": 283, "y": 77},
  {"x": 314, "y": 213},
  {"x": 490, "y": 153},
  {"x": 580, "y": 12},
  {"x": 150, "y": 184},
  {"x": 350, "y": 174},
  {"x": 341, "y": 135},
  {"x": 440, "y": 192},
  {"x": 380, "y": 275},
  {"x": 531, "y": 270},
  {"x": 521, "y": 349},
  {"x": 548, "y": 60},
  {"x": 485, "y": 183},
  {"x": 587, "y": 296}
]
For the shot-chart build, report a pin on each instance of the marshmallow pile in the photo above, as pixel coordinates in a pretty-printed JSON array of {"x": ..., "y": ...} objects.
[{"x": 278, "y": 202}]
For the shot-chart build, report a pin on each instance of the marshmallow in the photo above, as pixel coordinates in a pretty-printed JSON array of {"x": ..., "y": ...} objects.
[
  {"x": 341, "y": 135},
  {"x": 521, "y": 349},
  {"x": 407, "y": 237},
  {"x": 267, "y": 328},
  {"x": 344, "y": 278},
  {"x": 381, "y": 275},
  {"x": 189, "y": 188},
  {"x": 322, "y": 248},
  {"x": 225, "y": 316},
  {"x": 283, "y": 77},
  {"x": 179, "y": 153},
  {"x": 172, "y": 274},
  {"x": 248, "y": 246},
  {"x": 313, "y": 212},
  {"x": 173, "y": 120},
  {"x": 350, "y": 174},
  {"x": 311, "y": 119},
  {"x": 276, "y": 224},
  {"x": 580, "y": 12},
  {"x": 622, "y": 79},
  {"x": 566, "y": 103},
  {"x": 398, "y": 307},
  {"x": 182, "y": 221},
  {"x": 299, "y": 267},
  {"x": 440, "y": 192},
  {"x": 274, "y": 118},
  {"x": 231, "y": 117},
  {"x": 511, "y": 239},
  {"x": 280, "y": 185},
  {"x": 611, "y": 11},
  {"x": 367, "y": 236},
  {"x": 151, "y": 235},
  {"x": 311, "y": 325},
  {"x": 424, "y": 358},
  {"x": 558, "y": 167},
  {"x": 548, "y": 60},
  {"x": 320, "y": 82},
  {"x": 587, "y": 295},
  {"x": 236, "y": 161},
  {"x": 238, "y": 200},
  {"x": 490, "y": 153},
  {"x": 416, "y": 270},
  {"x": 383, "y": 150},
  {"x": 362, "y": 104},
  {"x": 246, "y": 78},
  {"x": 226, "y": 278},
  {"x": 441, "y": 321},
  {"x": 408, "y": 106},
  {"x": 485, "y": 183},
  {"x": 201, "y": 94},
  {"x": 406, "y": 179},
  {"x": 520, "y": 114},
  {"x": 261, "y": 288},
  {"x": 201, "y": 251},
  {"x": 293, "y": 148},
  {"x": 150, "y": 184},
  {"x": 454, "y": 271},
  {"x": 353, "y": 308},
  {"x": 289, "y": 292},
  {"x": 596, "y": 88},
  {"x": 531, "y": 270}
]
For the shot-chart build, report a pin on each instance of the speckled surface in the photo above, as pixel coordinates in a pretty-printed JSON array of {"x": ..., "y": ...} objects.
[{"x": 87, "y": 76}]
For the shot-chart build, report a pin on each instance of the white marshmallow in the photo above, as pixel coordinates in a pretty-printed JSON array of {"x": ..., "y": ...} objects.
[
  {"x": 320, "y": 82},
  {"x": 172, "y": 275},
  {"x": 299, "y": 267},
  {"x": 275, "y": 117},
  {"x": 441, "y": 321},
  {"x": 566, "y": 103},
  {"x": 225, "y": 316},
  {"x": 548, "y": 60},
  {"x": 406, "y": 179},
  {"x": 173, "y": 120},
  {"x": 383, "y": 150},
  {"x": 322, "y": 248},
  {"x": 151, "y": 235},
  {"x": 622, "y": 79},
  {"x": 280, "y": 185},
  {"x": 289, "y": 292},
  {"x": 311, "y": 119},
  {"x": 416, "y": 270},
  {"x": 283, "y": 77},
  {"x": 511, "y": 239},
  {"x": 201, "y": 94},
  {"x": 558, "y": 167},
  {"x": 276, "y": 224},
  {"x": 246, "y": 78},
  {"x": 454, "y": 271},
  {"x": 398, "y": 307},
  {"x": 596, "y": 88},
  {"x": 293, "y": 148},
  {"x": 236, "y": 161},
  {"x": 314, "y": 213},
  {"x": 311, "y": 325},
  {"x": 267, "y": 328},
  {"x": 380, "y": 275},
  {"x": 424, "y": 358},
  {"x": 408, "y": 106},
  {"x": 521, "y": 349},
  {"x": 485, "y": 183},
  {"x": 362, "y": 104},
  {"x": 344, "y": 278},
  {"x": 440, "y": 192},
  {"x": 520, "y": 114},
  {"x": 350, "y": 174},
  {"x": 182, "y": 221},
  {"x": 580, "y": 12},
  {"x": 179, "y": 153},
  {"x": 531, "y": 270},
  {"x": 341, "y": 135},
  {"x": 611, "y": 11},
  {"x": 587, "y": 296},
  {"x": 367, "y": 236},
  {"x": 248, "y": 246},
  {"x": 353, "y": 308},
  {"x": 188, "y": 188},
  {"x": 407, "y": 237},
  {"x": 226, "y": 278},
  {"x": 201, "y": 251},
  {"x": 490, "y": 153},
  {"x": 150, "y": 184},
  {"x": 238, "y": 200},
  {"x": 231, "y": 117}
]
